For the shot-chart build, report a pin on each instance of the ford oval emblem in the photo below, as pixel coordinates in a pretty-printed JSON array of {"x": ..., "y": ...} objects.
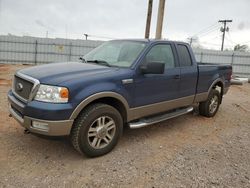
[{"x": 19, "y": 87}]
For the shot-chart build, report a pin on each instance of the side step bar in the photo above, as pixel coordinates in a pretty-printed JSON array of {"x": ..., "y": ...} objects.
[{"x": 156, "y": 119}]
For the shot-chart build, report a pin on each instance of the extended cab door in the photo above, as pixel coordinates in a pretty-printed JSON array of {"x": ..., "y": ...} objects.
[
  {"x": 189, "y": 72},
  {"x": 156, "y": 88}
]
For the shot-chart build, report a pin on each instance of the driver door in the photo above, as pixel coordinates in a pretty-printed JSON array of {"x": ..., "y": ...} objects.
[{"x": 157, "y": 88}]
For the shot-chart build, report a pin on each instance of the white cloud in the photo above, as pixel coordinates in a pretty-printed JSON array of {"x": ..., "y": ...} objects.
[{"x": 123, "y": 18}]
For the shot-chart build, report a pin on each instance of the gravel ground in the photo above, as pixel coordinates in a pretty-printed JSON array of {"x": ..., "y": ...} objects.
[{"x": 188, "y": 151}]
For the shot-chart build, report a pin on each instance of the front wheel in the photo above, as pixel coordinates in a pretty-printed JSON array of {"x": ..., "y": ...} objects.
[
  {"x": 209, "y": 107},
  {"x": 97, "y": 130}
]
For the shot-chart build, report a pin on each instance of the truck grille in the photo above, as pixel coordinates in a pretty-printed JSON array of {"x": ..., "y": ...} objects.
[{"x": 22, "y": 87}]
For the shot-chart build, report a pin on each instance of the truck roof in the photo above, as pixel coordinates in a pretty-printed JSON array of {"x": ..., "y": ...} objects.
[{"x": 150, "y": 40}]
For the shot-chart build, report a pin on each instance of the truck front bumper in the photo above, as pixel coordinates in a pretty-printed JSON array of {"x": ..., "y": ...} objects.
[{"x": 40, "y": 126}]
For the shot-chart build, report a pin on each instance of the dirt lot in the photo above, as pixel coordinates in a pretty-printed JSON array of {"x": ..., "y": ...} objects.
[{"x": 188, "y": 151}]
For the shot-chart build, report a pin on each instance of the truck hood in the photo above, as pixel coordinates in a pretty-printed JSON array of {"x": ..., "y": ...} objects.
[{"x": 57, "y": 73}]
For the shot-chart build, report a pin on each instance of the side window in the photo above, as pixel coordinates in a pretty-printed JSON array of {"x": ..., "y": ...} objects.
[
  {"x": 184, "y": 56},
  {"x": 161, "y": 53}
]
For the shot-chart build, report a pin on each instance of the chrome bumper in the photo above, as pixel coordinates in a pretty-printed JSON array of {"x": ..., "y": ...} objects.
[{"x": 44, "y": 127}]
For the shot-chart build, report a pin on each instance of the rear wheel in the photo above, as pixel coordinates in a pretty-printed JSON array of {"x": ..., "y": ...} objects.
[
  {"x": 209, "y": 107},
  {"x": 97, "y": 130}
]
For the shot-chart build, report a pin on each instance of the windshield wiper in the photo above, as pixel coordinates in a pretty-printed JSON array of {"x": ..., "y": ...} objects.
[
  {"x": 82, "y": 59},
  {"x": 99, "y": 62}
]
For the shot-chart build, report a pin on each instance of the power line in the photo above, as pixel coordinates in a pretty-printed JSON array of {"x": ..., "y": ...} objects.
[
  {"x": 212, "y": 39},
  {"x": 205, "y": 29},
  {"x": 215, "y": 37},
  {"x": 213, "y": 44},
  {"x": 208, "y": 32},
  {"x": 203, "y": 32},
  {"x": 229, "y": 38},
  {"x": 207, "y": 42}
]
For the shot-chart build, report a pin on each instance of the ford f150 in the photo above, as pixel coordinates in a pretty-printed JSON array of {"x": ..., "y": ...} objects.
[{"x": 121, "y": 82}]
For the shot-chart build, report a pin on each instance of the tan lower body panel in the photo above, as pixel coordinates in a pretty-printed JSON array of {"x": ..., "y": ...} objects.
[
  {"x": 201, "y": 97},
  {"x": 142, "y": 111}
]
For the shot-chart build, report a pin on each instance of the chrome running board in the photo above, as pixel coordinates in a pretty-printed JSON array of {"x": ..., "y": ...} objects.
[{"x": 158, "y": 118}]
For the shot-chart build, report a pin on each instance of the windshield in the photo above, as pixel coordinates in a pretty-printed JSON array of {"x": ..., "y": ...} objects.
[{"x": 116, "y": 53}]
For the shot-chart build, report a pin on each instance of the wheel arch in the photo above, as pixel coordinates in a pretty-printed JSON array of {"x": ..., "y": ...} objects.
[
  {"x": 218, "y": 83},
  {"x": 111, "y": 98}
]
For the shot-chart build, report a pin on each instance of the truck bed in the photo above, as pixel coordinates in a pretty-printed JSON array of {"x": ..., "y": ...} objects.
[{"x": 208, "y": 72}]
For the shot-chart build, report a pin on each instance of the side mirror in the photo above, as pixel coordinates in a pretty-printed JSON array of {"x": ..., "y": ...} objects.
[{"x": 153, "y": 68}]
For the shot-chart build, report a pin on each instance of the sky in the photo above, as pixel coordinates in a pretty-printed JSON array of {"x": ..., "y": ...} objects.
[{"x": 113, "y": 19}]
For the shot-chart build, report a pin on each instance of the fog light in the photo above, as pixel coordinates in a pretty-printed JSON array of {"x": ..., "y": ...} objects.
[{"x": 40, "y": 126}]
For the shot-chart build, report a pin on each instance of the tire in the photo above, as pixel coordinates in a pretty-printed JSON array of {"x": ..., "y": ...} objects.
[
  {"x": 96, "y": 130},
  {"x": 208, "y": 109}
]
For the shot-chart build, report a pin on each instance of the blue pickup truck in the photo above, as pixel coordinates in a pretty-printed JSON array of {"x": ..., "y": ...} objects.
[{"x": 121, "y": 82}]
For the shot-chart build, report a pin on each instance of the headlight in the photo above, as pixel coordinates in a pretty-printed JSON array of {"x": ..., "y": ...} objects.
[{"x": 52, "y": 94}]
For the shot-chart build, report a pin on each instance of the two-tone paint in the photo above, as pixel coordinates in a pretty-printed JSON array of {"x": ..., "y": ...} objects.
[{"x": 134, "y": 94}]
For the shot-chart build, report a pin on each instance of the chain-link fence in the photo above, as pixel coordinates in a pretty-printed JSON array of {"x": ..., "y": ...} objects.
[
  {"x": 239, "y": 60},
  {"x": 31, "y": 50}
]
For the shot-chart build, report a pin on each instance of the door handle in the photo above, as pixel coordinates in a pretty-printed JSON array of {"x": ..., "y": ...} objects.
[
  {"x": 127, "y": 81},
  {"x": 177, "y": 76}
]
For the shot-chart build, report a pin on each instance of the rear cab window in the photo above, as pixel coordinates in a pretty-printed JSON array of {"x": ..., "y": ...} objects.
[{"x": 184, "y": 55}]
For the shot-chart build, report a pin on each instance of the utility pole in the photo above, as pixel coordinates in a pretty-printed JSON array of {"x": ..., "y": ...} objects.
[
  {"x": 148, "y": 22},
  {"x": 86, "y": 36},
  {"x": 160, "y": 19},
  {"x": 192, "y": 40},
  {"x": 223, "y": 30}
]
